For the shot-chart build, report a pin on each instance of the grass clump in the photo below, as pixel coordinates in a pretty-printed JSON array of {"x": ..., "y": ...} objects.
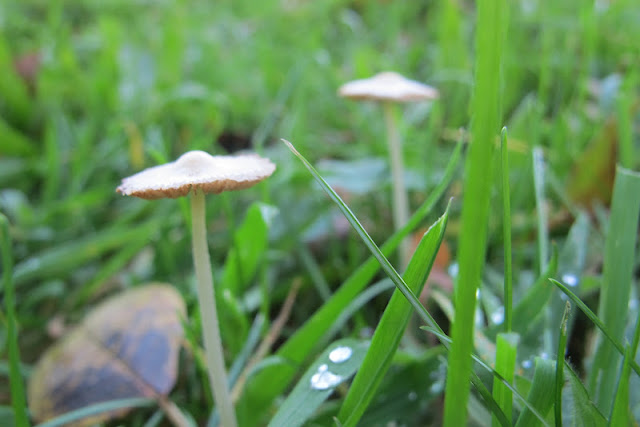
[{"x": 94, "y": 92}]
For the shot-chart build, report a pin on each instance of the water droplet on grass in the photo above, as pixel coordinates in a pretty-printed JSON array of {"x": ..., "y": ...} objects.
[
  {"x": 497, "y": 317},
  {"x": 324, "y": 379},
  {"x": 340, "y": 354},
  {"x": 570, "y": 279}
]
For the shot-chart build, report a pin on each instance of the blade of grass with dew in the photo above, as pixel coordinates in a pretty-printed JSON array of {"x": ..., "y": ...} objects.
[
  {"x": 620, "y": 413},
  {"x": 582, "y": 411},
  {"x": 18, "y": 401},
  {"x": 393, "y": 274},
  {"x": 446, "y": 341},
  {"x": 506, "y": 352},
  {"x": 391, "y": 327},
  {"x": 270, "y": 383},
  {"x": 98, "y": 408},
  {"x": 317, "y": 384},
  {"x": 562, "y": 347},
  {"x": 506, "y": 233},
  {"x": 541, "y": 395},
  {"x": 491, "y": 23},
  {"x": 596, "y": 321},
  {"x": 617, "y": 274}
]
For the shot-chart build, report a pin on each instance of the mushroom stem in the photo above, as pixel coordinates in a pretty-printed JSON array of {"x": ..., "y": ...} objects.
[
  {"x": 400, "y": 207},
  {"x": 208, "y": 312}
]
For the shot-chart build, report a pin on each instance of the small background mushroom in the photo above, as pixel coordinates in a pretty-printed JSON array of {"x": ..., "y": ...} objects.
[{"x": 390, "y": 88}]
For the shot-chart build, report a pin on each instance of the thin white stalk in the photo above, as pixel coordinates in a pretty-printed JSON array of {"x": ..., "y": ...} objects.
[
  {"x": 400, "y": 200},
  {"x": 208, "y": 313}
]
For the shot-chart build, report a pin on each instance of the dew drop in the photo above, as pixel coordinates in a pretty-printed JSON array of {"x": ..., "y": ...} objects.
[
  {"x": 570, "y": 279},
  {"x": 340, "y": 354},
  {"x": 436, "y": 387},
  {"x": 413, "y": 396},
  {"x": 497, "y": 317},
  {"x": 324, "y": 379},
  {"x": 527, "y": 364},
  {"x": 453, "y": 269}
]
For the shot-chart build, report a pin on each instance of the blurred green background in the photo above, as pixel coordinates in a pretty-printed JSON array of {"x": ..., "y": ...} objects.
[{"x": 94, "y": 91}]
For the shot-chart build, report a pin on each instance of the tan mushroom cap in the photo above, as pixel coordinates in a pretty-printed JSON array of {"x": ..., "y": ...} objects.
[
  {"x": 197, "y": 170},
  {"x": 388, "y": 86}
]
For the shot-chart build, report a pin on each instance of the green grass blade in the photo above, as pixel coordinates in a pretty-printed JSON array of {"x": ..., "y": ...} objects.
[
  {"x": 446, "y": 341},
  {"x": 269, "y": 383},
  {"x": 620, "y": 413},
  {"x": 562, "y": 347},
  {"x": 491, "y": 21},
  {"x": 392, "y": 273},
  {"x": 581, "y": 410},
  {"x": 506, "y": 352},
  {"x": 391, "y": 327},
  {"x": 18, "y": 401},
  {"x": 96, "y": 409},
  {"x": 541, "y": 210},
  {"x": 303, "y": 401},
  {"x": 541, "y": 395},
  {"x": 506, "y": 234},
  {"x": 617, "y": 274},
  {"x": 596, "y": 321}
]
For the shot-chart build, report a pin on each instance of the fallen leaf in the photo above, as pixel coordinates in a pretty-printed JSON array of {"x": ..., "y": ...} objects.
[
  {"x": 592, "y": 175},
  {"x": 126, "y": 347}
]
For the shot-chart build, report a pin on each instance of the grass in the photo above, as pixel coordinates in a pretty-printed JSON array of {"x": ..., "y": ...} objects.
[{"x": 93, "y": 92}]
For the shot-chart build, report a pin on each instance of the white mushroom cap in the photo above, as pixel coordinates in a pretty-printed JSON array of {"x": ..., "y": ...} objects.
[
  {"x": 197, "y": 170},
  {"x": 388, "y": 86}
]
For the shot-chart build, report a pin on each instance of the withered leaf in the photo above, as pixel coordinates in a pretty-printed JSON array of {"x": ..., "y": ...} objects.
[{"x": 126, "y": 347}]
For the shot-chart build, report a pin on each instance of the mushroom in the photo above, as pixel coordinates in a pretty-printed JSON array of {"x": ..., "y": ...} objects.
[
  {"x": 389, "y": 88},
  {"x": 197, "y": 173}
]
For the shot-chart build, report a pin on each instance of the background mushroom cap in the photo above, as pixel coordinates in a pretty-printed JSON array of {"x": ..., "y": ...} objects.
[
  {"x": 197, "y": 170},
  {"x": 388, "y": 86}
]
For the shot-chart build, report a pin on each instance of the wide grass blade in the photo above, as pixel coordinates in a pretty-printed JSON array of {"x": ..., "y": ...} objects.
[
  {"x": 506, "y": 352},
  {"x": 491, "y": 22},
  {"x": 308, "y": 395},
  {"x": 620, "y": 412},
  {"x": 541, "y": 210},
  {"x": 18, "y": 401},
  {"x": 541, "y": 395},
  {"x": 619, "y": 260},
  {"x": 506, "y": 233},
  {"x": 270, "y": 383},
  {"x": 580, "y": 409},
  {"x": 391, "y": 327}
]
